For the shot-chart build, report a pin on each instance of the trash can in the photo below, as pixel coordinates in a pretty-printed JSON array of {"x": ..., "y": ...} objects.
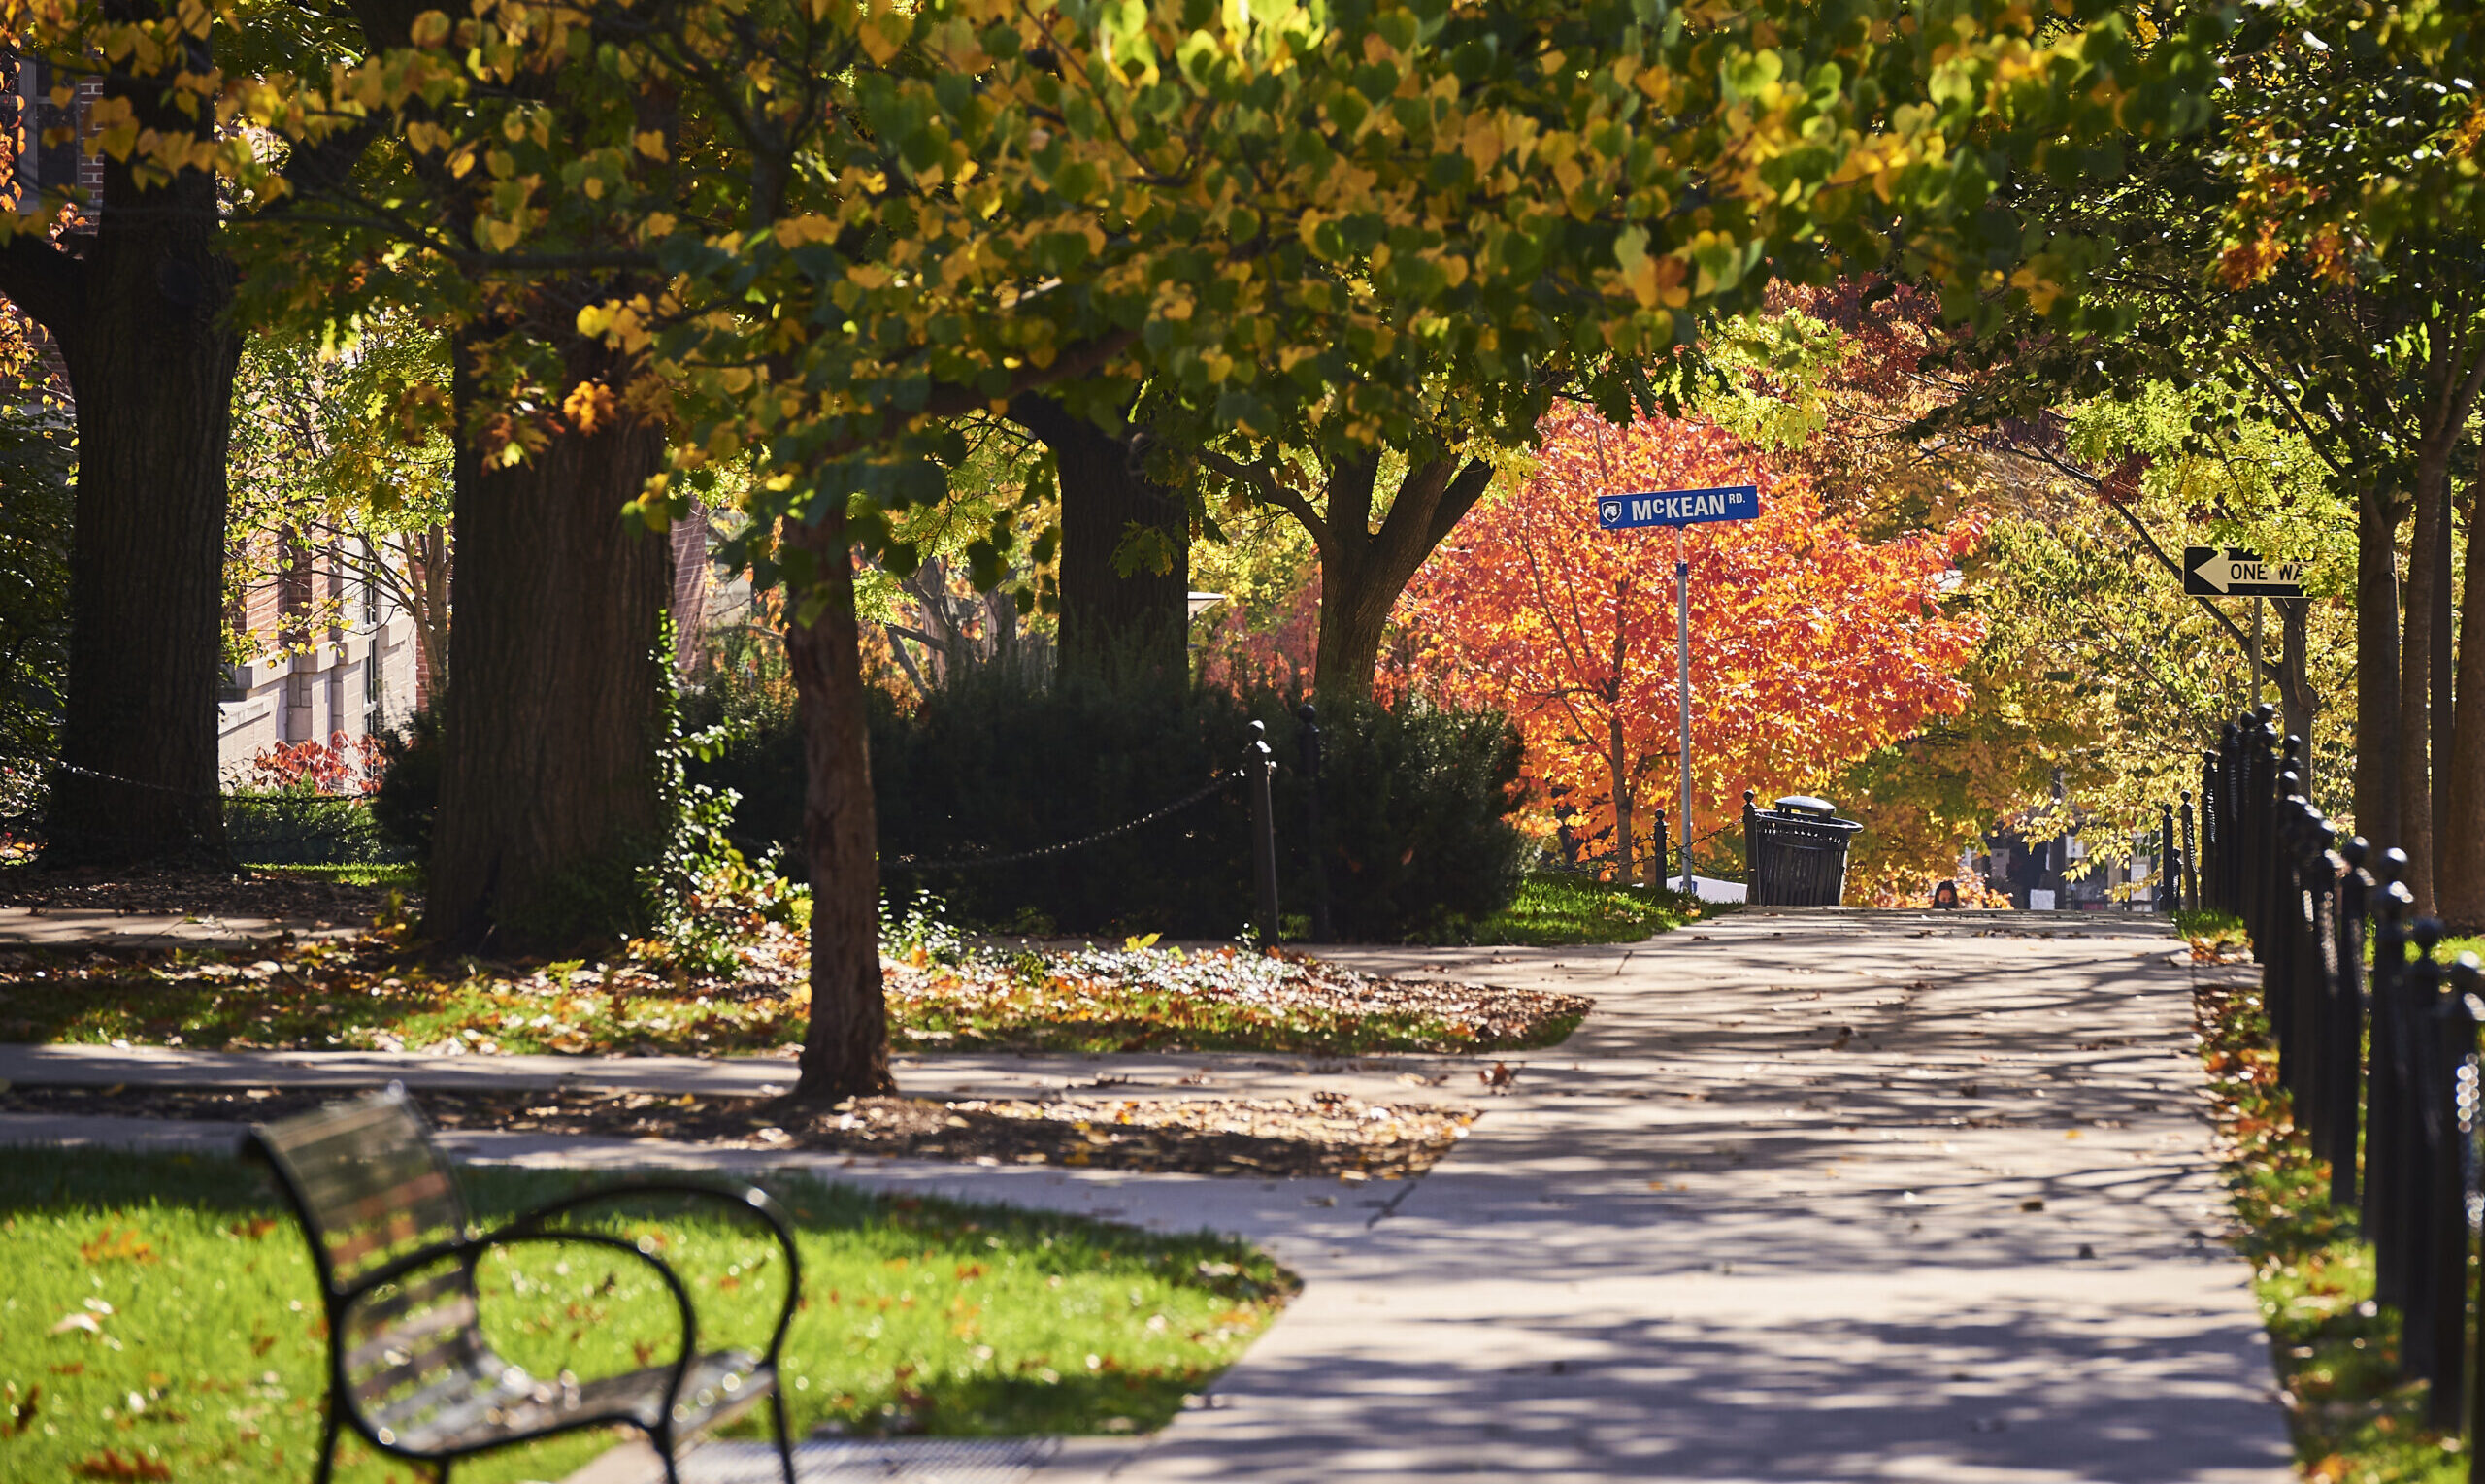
[{"x": 1797, "y": 851}]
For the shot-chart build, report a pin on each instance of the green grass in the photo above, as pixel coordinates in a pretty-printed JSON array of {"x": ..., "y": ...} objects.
[
  {"x": 2219, "y": 928},
  {"x": 1556, "y": 908},
  {"x": 405, "y": 875},
  {"x": 207, "y": 1356},
  {"x": 2353, "y": 1420}
]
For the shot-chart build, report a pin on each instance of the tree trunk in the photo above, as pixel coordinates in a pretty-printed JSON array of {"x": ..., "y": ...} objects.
[
  {"x": 2378, "y": 797},
  {"x": 1354, "y": 617},
  {"x": 548, "y": 795},
  {"x": 141, "y": 325},
  {"x": 2416, "y": 689},
  {"x": 2440, "y": 645},
  {"x": 2297, "y": 702},
  {"x": 1363, "y": 571},
  {"x": 845, "y": 1048},
  {"x": 1109, "y": 620},
  {"x": 1618, "y": 761},
  {"x": 2461, "y": 890}
]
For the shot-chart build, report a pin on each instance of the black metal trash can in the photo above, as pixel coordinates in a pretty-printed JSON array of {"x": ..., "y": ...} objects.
[{"x": 1797, "y": 850}]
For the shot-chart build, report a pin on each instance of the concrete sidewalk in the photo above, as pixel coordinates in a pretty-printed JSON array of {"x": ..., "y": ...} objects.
[{"x": 1810, "y": 1197}]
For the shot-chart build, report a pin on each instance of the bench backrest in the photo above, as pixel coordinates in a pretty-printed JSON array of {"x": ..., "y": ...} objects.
[
  {"x": 367, "y": 1182},
  {"x": 370, "y": 1188}
]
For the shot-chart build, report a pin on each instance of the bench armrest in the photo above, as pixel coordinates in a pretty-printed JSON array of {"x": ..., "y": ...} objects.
[
  {"x": 672, "y": 1282},
  {"x": 749, "y": 1198}
]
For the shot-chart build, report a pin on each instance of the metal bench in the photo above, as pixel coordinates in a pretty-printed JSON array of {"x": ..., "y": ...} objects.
[{"x": 409, "y": 1364}]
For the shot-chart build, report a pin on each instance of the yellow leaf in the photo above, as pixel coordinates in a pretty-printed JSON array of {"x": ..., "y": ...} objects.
[
  {"x": 649, "y": 143},
  {"x": 430, "y": 28}
]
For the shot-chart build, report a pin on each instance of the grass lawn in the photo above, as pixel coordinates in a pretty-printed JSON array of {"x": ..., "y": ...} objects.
[
  {"x": 2353, "y": 1421},
  {"x": 405, "y": 875},
  {"x": 161, "y": 1321},
  {"x": 1555, "y": 908}
]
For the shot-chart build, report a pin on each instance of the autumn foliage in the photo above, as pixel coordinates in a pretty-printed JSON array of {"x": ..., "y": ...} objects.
[{"x": 1810, "y": 645}]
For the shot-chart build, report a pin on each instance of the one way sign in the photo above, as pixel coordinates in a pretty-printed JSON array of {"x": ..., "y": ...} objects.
[{"x": 2210, "y": 572}]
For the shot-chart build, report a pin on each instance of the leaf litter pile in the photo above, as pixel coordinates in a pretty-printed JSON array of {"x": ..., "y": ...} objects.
[
  {"x": 370, "y": 993},
  {"x": 1324, "y": 1134}
]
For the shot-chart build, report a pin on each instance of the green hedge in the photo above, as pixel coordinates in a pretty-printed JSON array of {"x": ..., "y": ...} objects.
[{"x": 1416, "y": 800}]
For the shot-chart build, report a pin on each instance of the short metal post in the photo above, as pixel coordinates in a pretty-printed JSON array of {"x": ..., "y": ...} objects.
[
  {"x": 2189, "y": 887},
  {"x": 2170, "y": 894},
  {"x": 1658, "y": 853},
  {"x": 1259, "y": 764},
  {"x": 1309, "y": 738}
]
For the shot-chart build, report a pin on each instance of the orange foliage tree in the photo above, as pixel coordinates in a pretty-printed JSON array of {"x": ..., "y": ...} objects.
[{"x": 1810, "y": 645}]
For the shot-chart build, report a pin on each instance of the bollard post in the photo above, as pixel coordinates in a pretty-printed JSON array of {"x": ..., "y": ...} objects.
[
  {"x": 2188, "y": 889},
  {"x": 2388, "y": 1157},
  {"x": 2169, "y": 886},
  {"x": 2435, "y": 1331},
  {"x": 1657, "y": 856},
  {"x": 1309, "y": 740},
  {"x": 1258, "y": 764}
]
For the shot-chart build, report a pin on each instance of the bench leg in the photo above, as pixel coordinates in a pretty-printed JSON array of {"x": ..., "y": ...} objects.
[
  {"x": 327, "y": 1445},
  {"x": 662, "y": 1437},
  {"x": 784, "y": 1439}
]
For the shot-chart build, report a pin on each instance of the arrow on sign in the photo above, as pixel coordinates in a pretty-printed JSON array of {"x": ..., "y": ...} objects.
[{"x": 2233, "y": 573}]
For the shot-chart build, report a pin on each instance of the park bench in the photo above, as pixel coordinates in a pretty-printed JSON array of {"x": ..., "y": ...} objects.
[{"x": 409, "y": 1364}]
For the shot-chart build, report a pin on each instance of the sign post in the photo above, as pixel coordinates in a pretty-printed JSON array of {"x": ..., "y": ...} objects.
[{"x": 1680, "y": 508}]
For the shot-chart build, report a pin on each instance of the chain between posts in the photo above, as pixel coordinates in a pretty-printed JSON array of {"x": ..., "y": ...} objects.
[{"x": 963, "y": 863}]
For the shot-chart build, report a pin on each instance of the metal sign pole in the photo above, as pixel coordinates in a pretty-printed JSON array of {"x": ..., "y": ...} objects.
[
  {"x": 2257, "y": 681},
  {"x": 1682, "y": 686}
]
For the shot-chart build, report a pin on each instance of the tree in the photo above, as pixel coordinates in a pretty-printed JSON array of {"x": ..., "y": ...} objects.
[
  {"x": 1810, "y": 646},
  {"x": 918, "y": 213}
]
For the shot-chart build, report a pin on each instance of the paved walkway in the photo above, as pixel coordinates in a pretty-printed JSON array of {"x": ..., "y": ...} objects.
[
  {"x": 64, "y": 927},
  {"x": 1811, "y": 1196}
]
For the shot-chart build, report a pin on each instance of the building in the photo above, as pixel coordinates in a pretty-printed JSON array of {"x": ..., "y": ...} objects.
[{"x": 334, "y": 653}]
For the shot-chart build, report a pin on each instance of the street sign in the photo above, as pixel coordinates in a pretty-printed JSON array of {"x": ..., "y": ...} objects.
[
  {"x": 1678, "y": 507},
  {"x": 2233, "y": 572}
]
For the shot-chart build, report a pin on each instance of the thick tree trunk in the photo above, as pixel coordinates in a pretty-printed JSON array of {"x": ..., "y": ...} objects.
[
  {"x": 845, "y": 1050},
  {"x": 1354, "y": 617},
  {"x": 2461, "y": 888},
  {"x": 2377, "y": 796},
  {"x": 1111, "y": 517},
  {"x": 547, "y": 785},
  {"x": 1363, "y": 571},
  {"x": 2416, "y": 688},
  {"x": 141, "y": 322}
]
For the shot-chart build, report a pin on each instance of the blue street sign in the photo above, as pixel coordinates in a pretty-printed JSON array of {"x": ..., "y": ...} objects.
[{"x": 1677, "y": 508}]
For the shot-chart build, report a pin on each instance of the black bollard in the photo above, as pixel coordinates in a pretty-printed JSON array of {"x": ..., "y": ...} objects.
[
  {"x": 2188, "y": 889},
  {"x": 2170, "y": 884},
  {"x": 1258, "y": 765}
]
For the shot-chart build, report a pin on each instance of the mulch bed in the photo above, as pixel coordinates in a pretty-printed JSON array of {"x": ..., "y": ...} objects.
[
  {"x": 192, "y": 894},
  {"x": 1326, "y": 1134}
]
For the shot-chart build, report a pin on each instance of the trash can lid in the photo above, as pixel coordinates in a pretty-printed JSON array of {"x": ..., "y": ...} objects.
[{"x": 1805, "y": 803}]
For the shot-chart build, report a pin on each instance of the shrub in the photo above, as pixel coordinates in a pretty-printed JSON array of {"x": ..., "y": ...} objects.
[
  {"x": 409, "y": 790},
  {"x": 300, "y": 826},
  {"x": 1414, "y": 804}
]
